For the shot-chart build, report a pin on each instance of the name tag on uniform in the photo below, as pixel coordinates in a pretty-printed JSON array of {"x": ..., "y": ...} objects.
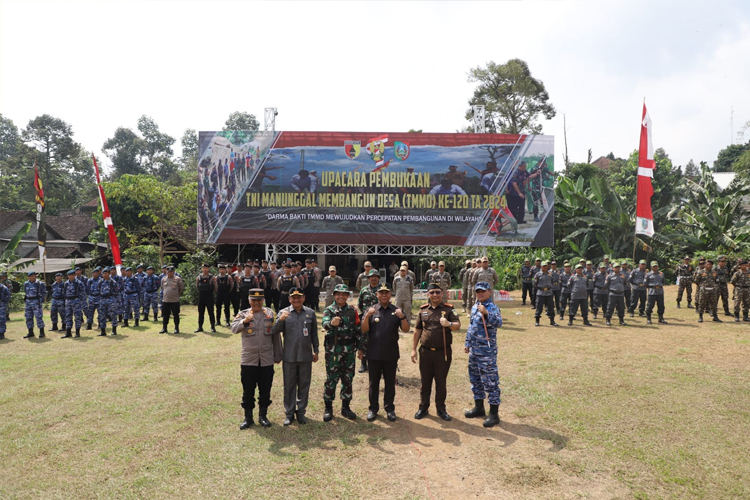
[{"x": 304, "y": 331}]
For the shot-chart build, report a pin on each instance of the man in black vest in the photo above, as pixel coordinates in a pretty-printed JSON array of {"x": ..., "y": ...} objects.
[
  {"x": 224, "y": 287},
  {"x": 206, "y": 284},
  {"x": 268, "y": 288},
  {"x": 246, "y": 281},
  {"x": 285, "y": 283}
]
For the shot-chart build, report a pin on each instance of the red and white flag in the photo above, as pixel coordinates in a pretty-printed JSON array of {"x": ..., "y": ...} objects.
[
  {"x": 108, "y": 221},
  {"x": 644, "y": 220}
]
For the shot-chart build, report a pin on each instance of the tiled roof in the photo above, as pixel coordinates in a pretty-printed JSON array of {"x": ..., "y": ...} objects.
[{"x": 71, "y": 227}]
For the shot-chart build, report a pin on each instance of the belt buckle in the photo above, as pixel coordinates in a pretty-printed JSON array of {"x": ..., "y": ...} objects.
[{"x": 432, "y": 348}]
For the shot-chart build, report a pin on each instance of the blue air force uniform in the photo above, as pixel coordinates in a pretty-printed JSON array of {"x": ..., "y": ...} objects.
[
  {"x": 109, "y": 291},
  {"x": 57, "y": 306},
  {"x": 131, "y": 293},
  {"x": 151, "y": 297},
  {"x": 483, "y": 357},
  {"x": 75, "y": 293},
  {"x": 4, "y": 299},
  {"x": 35, "y": 293},
  {"x": 92, "y": 288}
]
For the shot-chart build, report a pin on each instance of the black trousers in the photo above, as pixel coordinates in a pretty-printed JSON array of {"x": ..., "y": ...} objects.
[
  {"x": 206, "y": 301},
  {"x": 600, "y": 302},
  {"x": 252, "y": 377},
  {"x": 574, "y": 303},
  {"x": 316, "y": 298},
  {"x": 170, "y": 308},
  {"x": 516, "y": 207},
  {"x": 615, "y": 302},
  {"x": 533, "y": 295},
  {"x": 244, "y": 300},
  {"x": 527, "y": 288},
  {"x": 235, "y": 299},
  {"x": 591, "y": 298},
  {"x": 433, "y": 367},
  {"x": 276, "y": 298},
  {"x": 268, "y": 295},
  {"x": 386, "y": 369},
  {"x": 659, "y": 301},
  {"x": 283, "y": 301},
  {"x": 556, "y": 296},
  {"x": 564, "y": 299},
  {"x": 222, "y": 299},
  {"x": 541, "y": 301},
  {"x": 638, "y": 294}
]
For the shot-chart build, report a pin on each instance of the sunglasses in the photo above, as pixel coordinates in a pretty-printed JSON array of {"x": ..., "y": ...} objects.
[{"x": 434, "y": 292}]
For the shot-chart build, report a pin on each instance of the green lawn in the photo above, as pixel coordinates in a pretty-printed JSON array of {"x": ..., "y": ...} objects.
[{"x": 633, "y": 412}]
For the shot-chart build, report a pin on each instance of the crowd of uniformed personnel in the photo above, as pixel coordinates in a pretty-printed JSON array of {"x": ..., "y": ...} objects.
[
  {"x": 613, "y": 288},
  {"x": 274, "y": 311}
]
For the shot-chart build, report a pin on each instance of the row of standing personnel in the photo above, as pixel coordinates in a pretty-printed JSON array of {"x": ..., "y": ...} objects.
[
  {"x": 375, "y": 333},
  {"x": 614, "y": 287},
  {"x": 116, "y": 298}
]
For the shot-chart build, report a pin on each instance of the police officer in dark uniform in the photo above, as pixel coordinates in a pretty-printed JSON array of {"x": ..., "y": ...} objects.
[
  {"x": 564, "y": 289},
  {"x": 206, "y": 284},
  {"x": 544, "y": 295},
  {"x": 655, "y": 283},
  {"x": 601, "y": 294},
  {"x": 434, "y": 335},
  {"x": 638, "y": 290},
  {"x": 526, "y": 281},
  {"x": 616, "y": 284},
  {"x": 224, "y": 287},
  {"x": 246, "y": 281},
  {"x": 284, "y": 285},
  {"x": 268, "y": 288},
  {"x": 535, "y": 269}
]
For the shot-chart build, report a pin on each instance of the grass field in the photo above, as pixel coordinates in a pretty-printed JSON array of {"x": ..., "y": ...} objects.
[{"x": 644, "y": 412}]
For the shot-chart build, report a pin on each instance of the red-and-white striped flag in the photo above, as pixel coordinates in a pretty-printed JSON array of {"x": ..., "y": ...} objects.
[
  {"x": 644, "y": 220},
  {"x": 108, "y": 221}
]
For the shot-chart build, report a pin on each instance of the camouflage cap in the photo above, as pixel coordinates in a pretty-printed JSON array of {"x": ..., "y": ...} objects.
[
  {"x": 70, "y": 272},
  {"x": 58, "y": 274},
  {"x": 579, "y": 266},
  {"x": 615, "y": 264},
  {"x": 545, "y": 263},
  {"x": 642, "y": 262},
  {"x": 654, "y": 263},
  {"x": 373, "y": 272},
  {"x": 341, "y": 288},
  {"x": 602, "y": 264},
  {"x": 482, "y": 285},
  {"x": 31, "y": 273},
  {"x": 589, "y": 263}
]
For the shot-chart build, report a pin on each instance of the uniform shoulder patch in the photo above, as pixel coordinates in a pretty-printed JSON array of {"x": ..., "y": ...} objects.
[
  {"x": 448, "y": 305},
  {"x": 424, "y": 305}
]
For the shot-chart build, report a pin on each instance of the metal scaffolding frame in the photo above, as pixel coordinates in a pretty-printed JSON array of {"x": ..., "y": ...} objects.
[{"x": 273, "y": 251}]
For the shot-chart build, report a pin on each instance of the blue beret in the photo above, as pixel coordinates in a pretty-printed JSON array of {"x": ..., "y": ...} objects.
[
  {"x": 58, "y": 274},
  {"x": 31, "y": 273},
  {"x": 70, "y": 272}
]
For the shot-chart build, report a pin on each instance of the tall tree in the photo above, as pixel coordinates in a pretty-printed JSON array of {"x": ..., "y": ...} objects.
[
  {"x": 691, "y": 170},
  {"x": 149, "y": 153},
  {"x": 9, "y": 138},
  {"x": 124, "y": 149},
  {"x": 512, "y": 98},
  {"x": 727, "y": 156},
  {"x": 241, "y": 120}
]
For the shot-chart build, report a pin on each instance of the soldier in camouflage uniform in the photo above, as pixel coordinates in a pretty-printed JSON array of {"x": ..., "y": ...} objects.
[
  {"x": 368, "y": 297},
  {"x": 741, "y": 282},
  {"x": 362, "y": 279},
  {"x": 724, "y": 276},
  {"x": 464, "y": 279},
  {"x": 685, "y": 272},
  {"x": 708, "y": 284},
  {"x": 701, "y": 266},
  {"x": 526, "y": 278},
  {"x": 471, "y": 272},
  {"x": 329, "y": 284},
  {"x": 343, "y": 338}
]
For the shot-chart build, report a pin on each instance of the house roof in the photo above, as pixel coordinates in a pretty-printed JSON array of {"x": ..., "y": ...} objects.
[
  {"x": 59, "y": 252},
  {"x": 71, "y": 227},
  {"x": 602, "y": 162},
  {"x": 186, "y": 237},
  {"x": 9, "y": 217}
]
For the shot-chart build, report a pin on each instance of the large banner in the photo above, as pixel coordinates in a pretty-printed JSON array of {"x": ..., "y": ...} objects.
[{"x": 375, "y": 188}]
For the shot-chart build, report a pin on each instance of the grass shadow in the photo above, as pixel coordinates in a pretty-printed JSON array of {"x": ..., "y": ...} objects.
[
  {"x": 558, "y": 441},
  {"x": 217, "y": 334},
  {"x": 7, "y": 340},
  {"x": 37, "y": 340}
]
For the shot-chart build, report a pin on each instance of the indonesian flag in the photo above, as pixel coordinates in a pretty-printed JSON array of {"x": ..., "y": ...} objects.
[
  {"x": 108, "y": 221},
  {"x": 40, "y": 227},
  {"x": 644, "y": 220}
]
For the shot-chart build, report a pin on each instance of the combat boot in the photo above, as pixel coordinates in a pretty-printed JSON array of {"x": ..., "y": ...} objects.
[
  {"x": 536, "y": 321},
  {"x": 477, "y": 411},
  {"x": 745, "y": 318},
  {"x": 248, "y": 420},
  {"x": 114, "y": 330},
  {"x": 716, "y": 319},
  {"x": 608, "y": 322},
  {"x": 690, "y": 306},
  {"x": 661, "y": 319},
  {"x": 102, "y": 332},
  {"x": 346, "y": 412},
  {"x": 2, "y": 336},
  {"x": 125, "y": 323},
  {"x": 586, "y": 322},
  {"x": 570, "y": 322},
  {"x": 41, "y": 333},
  {"x": 492, "y": 419},
  {"x": 648, "y": 319},
  {"x": 700, "y": 317},
  {"x": 328, "y": 413},
  {"x": 678, "y": 304},
  {"x": 622, "y": 322},
  {"x": 136, "y": 321},
  {"x": 737, "y": 318},
  {"x": 88, "y": 326},
  {"x": 78, "y": 333},
  {"x": 726, "y": 311},
  {"x": 54, "y": 328},
  {"x": 262, "y": 418},
  {"x": 145, "y": 317},
  {"x": 67, "y": 334},
  {"x": 552, "y": 321},
  {"x": 213, "y": 328}
]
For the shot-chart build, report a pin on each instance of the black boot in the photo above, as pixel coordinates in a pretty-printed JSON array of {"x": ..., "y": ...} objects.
[
  {"x": 661, "y": 319},
  {"x": 2, "y": 336},
  {"x": 136, "y": 321},
  {"x": 213, "y": 328},
  {"x": 328, "y": 413},
  {"x": 262, "y": 420},
  {"x": 536, "y": 321},
  {"x": 41, "y": 333},
  {"x": 745, "y": 318},
  {"x": 492, "y": 419},
  {"x": 114, "y": 330},
  {"x": 477, "y": 411},
  {"x": 125, "y": 323},
  {"x": 102, "y": 332},
  {"x": 726, "y": 311},
  {"x": 78, "y": 333},
  {"x": 119, "y": 318},
  {"x": 648, "y": 319},
  {"x": 67, "y": 334},
  {"x": 88, "y": 326},
  {"x": 163, "y": 327},
  {"x": 586, "y": 322},
  {"x": 346, "y": 412},
  {"x": 177, "y": 330},
  {"x": 737, "y": 318},
  {"x": 716, "y": 319},
  {"x": 570, "y": 321},
  {"x": 700, "y": 317},
  {"x": 552, "y": 321},
  {"x": 29, "y": 335},
  {"x": 199, "y": 330},
  {"x": 54, "y": 327},
  {"x": 248, "y": 420},
  {"x": 608, "y": 322},
  {"x": 678, "y": 304},
  {"x": 622, "y": 322},
  {"x": 690, "y": 306},
  {"x": 145, "y": 317}
]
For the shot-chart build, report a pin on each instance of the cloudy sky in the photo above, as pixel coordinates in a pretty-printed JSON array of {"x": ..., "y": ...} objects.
[{"x": 386, "y": 66}]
